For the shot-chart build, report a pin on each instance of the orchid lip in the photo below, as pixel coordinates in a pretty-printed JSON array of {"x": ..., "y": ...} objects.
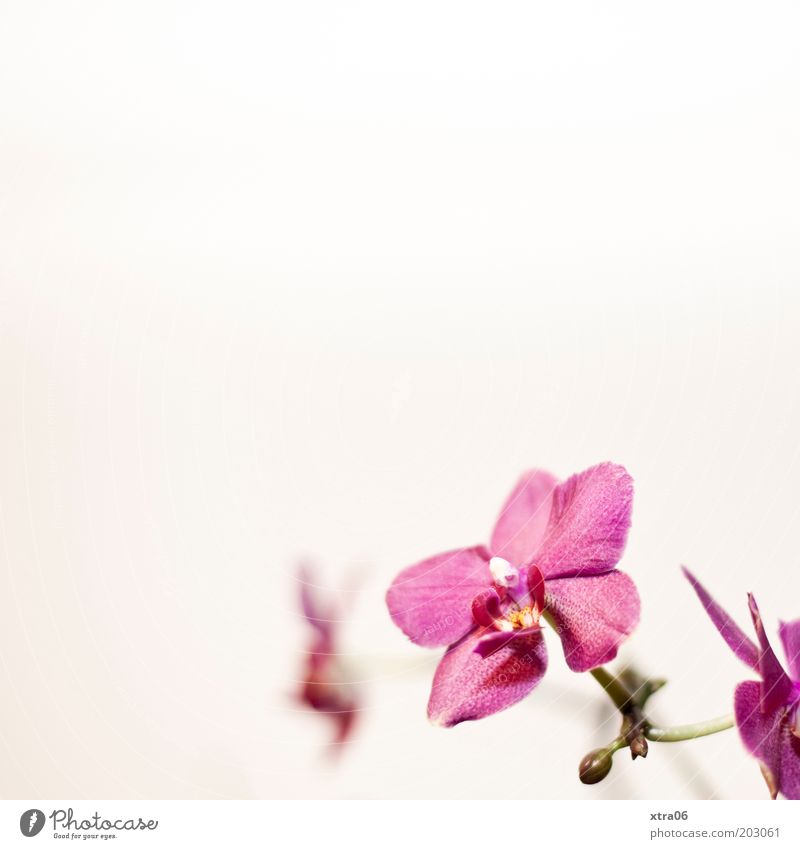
[{"x": 488, "y": 612}]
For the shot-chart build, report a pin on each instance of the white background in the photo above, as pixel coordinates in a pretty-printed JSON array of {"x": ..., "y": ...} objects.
[{"x": 321, "y": 279}]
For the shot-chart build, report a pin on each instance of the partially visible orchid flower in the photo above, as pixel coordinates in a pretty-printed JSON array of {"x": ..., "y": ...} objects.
[
  {"x": 325, "y": 687},
  {"x": 767, "y": 710},
  {"x": 552, "y": 553}
]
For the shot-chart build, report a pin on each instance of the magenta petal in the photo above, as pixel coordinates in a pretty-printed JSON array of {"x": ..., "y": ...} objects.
[
  {"x": 767, "y": 736},
  {"x": 320, "y": 619},
  {"x": 431, "y": 602},
  {"x": 536, "y": 587},
  {"x": 486, "y": 607},
  {"x": 468, "y": 686},
  {"x": 754, "y": 726},
  {"x": 790, "y": 637},
  {"x": 489, "y": 643},
  {"x": 776, "y": 688},
  {"x": 593, "y": 616},
  {"x": 589, "y": 521},
  {"x": 522, "y": 523},
  {"x": 741, "y": 645}
]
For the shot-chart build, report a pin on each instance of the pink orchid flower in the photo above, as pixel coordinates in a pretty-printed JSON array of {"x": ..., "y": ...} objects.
[
  {"x": 766, "y": 711},
  {"x": 553, "y": 550},
  {"x": 324, "y": 686}
]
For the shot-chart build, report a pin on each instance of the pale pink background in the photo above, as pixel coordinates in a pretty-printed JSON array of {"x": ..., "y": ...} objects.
[{"x": 323, "y": 278}]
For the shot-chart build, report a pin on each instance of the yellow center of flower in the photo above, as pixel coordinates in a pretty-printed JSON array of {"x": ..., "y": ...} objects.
[{"x": 524, "y": 617}]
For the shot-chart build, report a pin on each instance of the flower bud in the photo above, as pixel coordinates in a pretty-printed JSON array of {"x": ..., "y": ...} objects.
[
  {"x": 638, "y": 747},
  {"x": 595, "y": 766}
]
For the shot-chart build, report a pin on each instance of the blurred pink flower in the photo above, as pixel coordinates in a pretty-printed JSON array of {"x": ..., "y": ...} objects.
[
  {"x": 767, "y": 710},
  {"x": 324, "y": 686},
  {"x": 554, "y": 549}
]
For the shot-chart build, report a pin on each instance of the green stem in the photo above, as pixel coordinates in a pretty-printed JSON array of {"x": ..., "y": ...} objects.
[
  {"x": 625, "y": 702},
  {"x": 675, "y": 733},
  {"x": 617, "y": 691},
  {"x": 616, "y": 745}
]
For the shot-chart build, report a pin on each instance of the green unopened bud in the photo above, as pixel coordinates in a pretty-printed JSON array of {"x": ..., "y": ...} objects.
[{"x": 595, "y": 766}]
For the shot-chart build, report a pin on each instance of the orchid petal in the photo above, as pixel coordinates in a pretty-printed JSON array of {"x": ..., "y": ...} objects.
[
  {"x": 431, "y": 602},
  {"x": 467, "y": 686},
  {"x": 776, "y": 687},
  {"x": 739, "y": 643},
  {"x": 593, "y": 615},
  {"x": 767, "y": 736},
  {"x": 790, "y": 637},
  {"x": 589, "y": 522},
  {"x": 321, "y": 620},
  {"x": 522, "y": 523}
]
